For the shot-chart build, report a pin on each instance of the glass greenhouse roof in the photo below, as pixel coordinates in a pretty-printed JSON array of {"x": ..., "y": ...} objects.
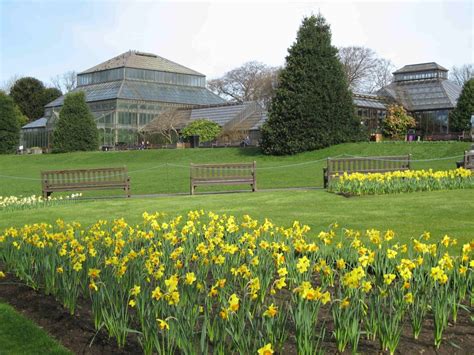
[
  {"x": 39, "y": 123},
  {"x": 368, "y": 101},
  {"x": 145, "y": 91},
  {"x": 141, "y": 60},
  {"x": 423, "y": 94}
]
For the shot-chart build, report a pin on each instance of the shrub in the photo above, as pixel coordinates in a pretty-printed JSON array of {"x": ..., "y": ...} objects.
[
  {"x": 397, "y": 122},
  {"x": 205, "y": 129},
  {"x": 76, "y": 129}
]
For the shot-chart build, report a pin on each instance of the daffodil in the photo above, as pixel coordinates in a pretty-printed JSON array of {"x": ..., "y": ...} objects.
[
  {"x": 266, "y": 350},
  {"x": 271, "y": 311},
  {"x": 162, "y": 324}
]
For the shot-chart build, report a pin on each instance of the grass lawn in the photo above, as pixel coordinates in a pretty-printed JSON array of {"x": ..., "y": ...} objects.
[
  {"x": 18, "y": 335},
  {"x": 167, "y": 170},
  {"x": 409, "y": 214}
]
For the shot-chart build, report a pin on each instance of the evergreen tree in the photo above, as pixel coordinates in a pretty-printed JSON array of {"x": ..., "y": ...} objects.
[
  {"x": 9, "y": 124},
  {"x": 50, "y": 94},
  {"x": 460, "y": 117},
  {"x": 76, "y": 128},
  {"x": 31, "y": 96},
  {"x": 28, "y": 94},
  {"x": 312, "y": 107}
]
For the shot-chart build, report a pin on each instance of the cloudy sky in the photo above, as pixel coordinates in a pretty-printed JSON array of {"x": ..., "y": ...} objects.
[{"x": 46, "y": 38}]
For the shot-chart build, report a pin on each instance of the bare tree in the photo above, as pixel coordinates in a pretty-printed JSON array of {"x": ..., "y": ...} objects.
[
  {"x": 461, "y": 74},
  {"x": 8, "y": 84},
  {"x": 381, "y": 75},
  {"x": 253, "y": 81},
  {"x": 166, "y": 124},
  {"x": 365, "y": 71},
  {"x": 65, "y": 82}
]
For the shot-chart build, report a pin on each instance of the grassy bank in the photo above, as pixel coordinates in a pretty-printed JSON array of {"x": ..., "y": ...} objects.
[
  {"x": 409, "y": 214},
  {"x": 167, "y": 171}
]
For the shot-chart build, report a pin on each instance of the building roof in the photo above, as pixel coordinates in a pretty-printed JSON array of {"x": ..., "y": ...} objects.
[
  {"x": 39, "y": 123},
  {"x": 145, "y": 91},
  {"x": 141, "y": 60},
  {"x": 421, "y": 95},
  {"x": 243, "y": 116},
  {"x": 368, "y": 101},
  {"x": 411, "y": 68}
]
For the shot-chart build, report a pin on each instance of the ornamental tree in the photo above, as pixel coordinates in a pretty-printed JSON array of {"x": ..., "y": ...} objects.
[
  {"x": 460, "y": 117},
  {"x": 9, "y": 124},
  {"x": 76, "y": 129},
  {"x": 205, "y": 129},
  {"x": 397, "y": 122},
  {"x": 312, "y": 107}
]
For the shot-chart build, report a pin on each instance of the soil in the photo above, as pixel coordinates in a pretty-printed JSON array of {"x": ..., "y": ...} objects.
[{"x": 76, "y": 332}]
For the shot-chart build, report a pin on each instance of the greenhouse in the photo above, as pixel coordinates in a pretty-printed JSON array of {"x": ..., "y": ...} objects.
[
  {"x": 127, "y": 92},
  {"x": 370, "y": 109},
  {"x": 426, "y": 93}
]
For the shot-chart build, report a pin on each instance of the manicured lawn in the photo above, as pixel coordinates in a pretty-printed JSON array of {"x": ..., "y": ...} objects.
[
  {"x": 18, "y": 335},
  {"x": 167, "y": 171},
  {"x": 409, "y": 214}
]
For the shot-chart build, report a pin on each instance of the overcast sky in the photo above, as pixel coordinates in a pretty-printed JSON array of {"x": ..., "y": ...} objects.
[{"x": 46, "y": 38}]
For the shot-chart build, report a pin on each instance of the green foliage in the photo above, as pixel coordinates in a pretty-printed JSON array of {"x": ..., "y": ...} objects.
[
  {"x": 312, "y": 107},
  {"x": 205, "y": 129},
  {"x": 397, "y": 122},
  {"x": 51, "y": 94},
  {"x": 76, "y": 129},
  {"x": 460, "y": 117},
  {"x": 31, "y": 95},
  {"x": 28, "y": 94},
  {"x": 9, "y": 124}
]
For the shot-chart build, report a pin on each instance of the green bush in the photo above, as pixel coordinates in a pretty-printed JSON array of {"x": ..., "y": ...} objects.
[
  {"x": 205, "y": 129},
  {"x": 312, "y": 107},
  {"x": 76, "y": 129},
  {"x": 397, "y": 122},
  {"x": 9, "y": 124}
]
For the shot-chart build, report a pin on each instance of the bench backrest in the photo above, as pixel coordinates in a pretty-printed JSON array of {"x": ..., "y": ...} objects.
[
  {"x": 367, "y": 164},
  {"x": 80, "y": 177},
  {"x": 469, "y": 160},
  {"x": 223, "y": 171}
]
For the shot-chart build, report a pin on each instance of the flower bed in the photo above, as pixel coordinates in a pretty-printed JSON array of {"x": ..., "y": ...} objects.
[
  {"x": 207, "y": 282},
  {"x": 401, "y": 181},
  {"x": 19, "y": 203}
]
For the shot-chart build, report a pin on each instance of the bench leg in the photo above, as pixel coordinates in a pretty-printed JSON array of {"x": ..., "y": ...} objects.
[{"x": 192, "y": 189}]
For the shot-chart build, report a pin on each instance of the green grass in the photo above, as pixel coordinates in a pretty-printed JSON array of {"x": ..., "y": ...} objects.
[
  {"x": 18, "y": 335},
  {"x": 409, "y": 214},
  {"x": 167, "y": 171}
]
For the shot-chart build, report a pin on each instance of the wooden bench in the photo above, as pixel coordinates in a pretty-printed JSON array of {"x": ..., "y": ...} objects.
[
  {"x": 382, "y": 164},
  {"x": 468, "y": 161},
  {"x": 223, "y": 174},
  {"x": 85, "y": 179}
]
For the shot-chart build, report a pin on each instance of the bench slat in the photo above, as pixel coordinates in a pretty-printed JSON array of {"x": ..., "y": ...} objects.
[
  {"x": 85, "y": 179},
  {"x": 222, "y": 174},
  {"x": 364, "y": 165}
]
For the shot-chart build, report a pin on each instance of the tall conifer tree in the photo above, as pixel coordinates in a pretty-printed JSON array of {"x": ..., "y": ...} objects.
[
  {"x": 460, "y": 117},
  {"x": 76, "y": 129},
  {"x": 312, "y": 107},
  {"x": 9, "y": 124}
]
